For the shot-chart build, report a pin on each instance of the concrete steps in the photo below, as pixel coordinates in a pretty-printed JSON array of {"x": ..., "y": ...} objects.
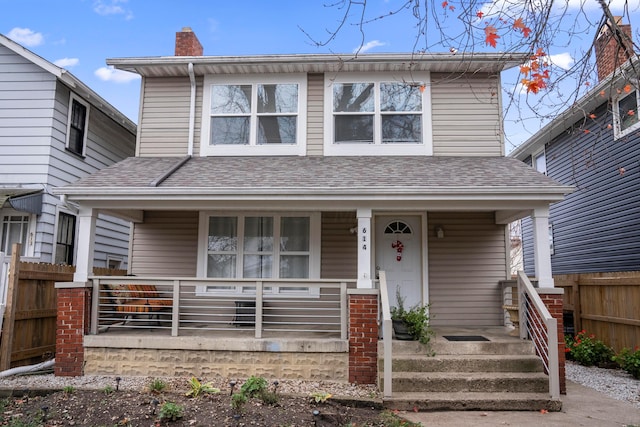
[{"x": 502, "y": 373}]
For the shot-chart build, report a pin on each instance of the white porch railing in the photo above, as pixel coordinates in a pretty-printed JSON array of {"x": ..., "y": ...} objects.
[
  {"x": 180, "y": 305},
  {"x": 537, "y": 324},
  {"x": 387, "y": 337}
]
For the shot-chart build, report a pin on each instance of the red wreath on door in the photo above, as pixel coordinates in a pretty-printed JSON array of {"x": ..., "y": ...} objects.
[{"x": 399, "y": 247}]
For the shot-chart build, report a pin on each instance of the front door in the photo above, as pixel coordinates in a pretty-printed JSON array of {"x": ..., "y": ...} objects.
[{"x": 398, "y": 253}]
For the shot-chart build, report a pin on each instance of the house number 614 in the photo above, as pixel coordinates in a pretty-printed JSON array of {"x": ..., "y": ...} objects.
[{"x": 364, "y": 238}]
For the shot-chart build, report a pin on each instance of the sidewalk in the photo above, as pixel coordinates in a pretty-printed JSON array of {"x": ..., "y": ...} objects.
[{"x": 581, "y": 406}]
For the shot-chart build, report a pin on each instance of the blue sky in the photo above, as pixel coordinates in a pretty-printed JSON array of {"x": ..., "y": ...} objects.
[{"x": 80, "y": 34}]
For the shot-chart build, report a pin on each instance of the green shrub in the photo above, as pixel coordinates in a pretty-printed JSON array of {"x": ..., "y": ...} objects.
[
  {"x": 157, "y": 385},
  {"x": 254, "y": 386},
  {"x": 171, "y": 411},
  {"x": 587, "y": 350},
  {"x": 629, "y": 361},
  {"x": 238, "y": 400},
  {"x": 197, "y": 388}
]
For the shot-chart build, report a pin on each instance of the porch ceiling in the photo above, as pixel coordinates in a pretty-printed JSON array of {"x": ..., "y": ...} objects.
[{"x": 140, "y": 180}]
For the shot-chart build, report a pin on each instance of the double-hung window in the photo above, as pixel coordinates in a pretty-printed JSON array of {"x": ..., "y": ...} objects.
[
  {"x": 15, "y": 229},
  {"x": 380, "y": 114},
  {"x": 261, "y": 246},
  {"x": 625, "y": 113},
  {"x": 77, "y": 124},
  {"x": 254, "y": 115},
  {"x": 65, "y": 239}
]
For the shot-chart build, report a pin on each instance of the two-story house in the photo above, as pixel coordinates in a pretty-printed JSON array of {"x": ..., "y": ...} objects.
[
  {"x": 283, "y": 183},
  {"x": 54, "y": 130},
  {"x": 593, "y": 145}
]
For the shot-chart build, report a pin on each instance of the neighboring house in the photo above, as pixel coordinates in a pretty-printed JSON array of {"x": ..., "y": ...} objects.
[
  {"x": 593, "y": 146},
  {"x": 294, "y": 173},
  {"x": 53, "y": 131}
]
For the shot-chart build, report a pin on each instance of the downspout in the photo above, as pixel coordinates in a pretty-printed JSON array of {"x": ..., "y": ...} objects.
[{"x": 192, "y": 110}]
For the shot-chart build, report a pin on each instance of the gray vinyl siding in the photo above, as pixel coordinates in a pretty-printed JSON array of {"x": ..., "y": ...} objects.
[
  {"x": 466, "y": 115},
  {"x": 34, "y": 108},
  {"x": 465, "y": 269},
  {"x": 164, "y": 123},
  {"x": 339, "y": 246},
  {"x": 597, "y": 227},
  {"x": 315, "y": 114},
  {"x": 165, "y": 244}
]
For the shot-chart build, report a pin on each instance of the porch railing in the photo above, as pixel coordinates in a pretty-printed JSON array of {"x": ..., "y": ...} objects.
[
  {"x": 537, "y": 324},
  {"x": 387, "y": 338},
  {"x": 247, "y": 306}
]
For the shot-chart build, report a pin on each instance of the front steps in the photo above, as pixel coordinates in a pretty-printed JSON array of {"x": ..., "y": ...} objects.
[{"x": 502, "y": 374}]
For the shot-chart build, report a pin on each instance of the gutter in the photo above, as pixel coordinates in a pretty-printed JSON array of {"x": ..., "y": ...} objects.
[{"x": 192, "y": 109}]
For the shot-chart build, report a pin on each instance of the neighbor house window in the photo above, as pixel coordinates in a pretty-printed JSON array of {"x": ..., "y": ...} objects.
[
  {"x": 369, "y": 114},
  {"x": 15, "y": 229},
  {"x": 260, "y": 247},
  {"x": 65, "y": 240},
  {"x": 540, "y": 162},
  {"x": 255, "y": 115},
  {"x": 625, "y": 113},
  {"x": 77, "y": 125}
]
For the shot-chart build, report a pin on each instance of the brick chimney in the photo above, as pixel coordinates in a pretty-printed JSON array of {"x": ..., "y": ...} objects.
[
  {"x": 187, "y": 44},
  {"x": 609, "y": 53}
]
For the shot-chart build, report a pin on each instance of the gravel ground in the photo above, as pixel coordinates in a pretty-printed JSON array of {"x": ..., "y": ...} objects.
[{"x": 615, "y": 383}]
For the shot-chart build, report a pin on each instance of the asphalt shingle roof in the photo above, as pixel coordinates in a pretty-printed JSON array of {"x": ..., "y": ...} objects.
[{"x": 317, "y": 172}]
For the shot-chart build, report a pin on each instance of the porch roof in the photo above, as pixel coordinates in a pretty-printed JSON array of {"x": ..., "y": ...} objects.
[{"x": 317, "y": 177}]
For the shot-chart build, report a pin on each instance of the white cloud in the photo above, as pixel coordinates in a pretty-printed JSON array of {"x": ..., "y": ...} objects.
[
  {"x": 562, "y": 60},
  {"x": 66, "y": 62},
  {"x": 26, "y": 37},
  {"x": 112, "y": 7},
  {"x": 368, "y": 46},
  {"x": 614, "y": 5},
  {"x": 110, "y": 74}
]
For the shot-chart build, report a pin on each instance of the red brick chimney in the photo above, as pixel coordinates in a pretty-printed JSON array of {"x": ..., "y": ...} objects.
[
  {"x": 610, "y": 54},
  {"x": 187, "y": 44}
]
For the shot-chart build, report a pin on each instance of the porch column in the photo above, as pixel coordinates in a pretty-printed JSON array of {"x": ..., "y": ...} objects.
[
  {"x": 364, "y": 249},
  {"x": 541, "y": 247},
  {"x": 86, "y": 241}
]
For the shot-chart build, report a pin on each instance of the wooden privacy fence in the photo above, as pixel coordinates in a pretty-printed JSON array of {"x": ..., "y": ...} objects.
[
  {"x": 30, "y": 319},
  {"x": 604, "y": 304}
]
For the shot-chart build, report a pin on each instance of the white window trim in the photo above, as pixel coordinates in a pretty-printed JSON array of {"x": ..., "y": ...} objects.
[
  {"x": 116, "y": 258},
  {"x": 535, "y": 156},
  {"x": 378, "y": 149},
  {"x": 617, "y": 131},
  {"x": 298, "y": 149},
  {"x": 30, "y": 244},
  {"x": 74, "y": 97},
  {"x": 239, "y": 283}
]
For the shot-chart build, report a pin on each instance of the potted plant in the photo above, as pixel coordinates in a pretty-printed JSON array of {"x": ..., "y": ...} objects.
[{"x": 412, "y": 323}]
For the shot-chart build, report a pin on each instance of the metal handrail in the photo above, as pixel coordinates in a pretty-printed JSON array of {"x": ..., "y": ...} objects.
[
  {"x": 185, "y": 305},
  {"x": 387, "y": 341},
  {"x": 537, "y": 324}
]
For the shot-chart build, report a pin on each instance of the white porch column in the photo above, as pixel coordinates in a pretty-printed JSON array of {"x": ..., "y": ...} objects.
[
  {"x": 86, "y": 240},
  {"x": 364, "y": 248},
  {"x": 541, "y": 247}
]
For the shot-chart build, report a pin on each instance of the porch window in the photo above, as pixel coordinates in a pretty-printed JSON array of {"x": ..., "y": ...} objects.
[
  {"x": 65, "y": 240},
  {"x": 625, "y": 113},
  {"x": 254, "y": 115},
  {"x": 381, "y": 114},
  {"x": 15, "y": 229},
  {"x": 259, "y": 247}
]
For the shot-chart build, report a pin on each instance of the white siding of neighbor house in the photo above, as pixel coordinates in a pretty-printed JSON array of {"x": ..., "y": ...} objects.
[
  {"x": 165, "y": 244},
  {"x": 466, "y": 115},
  {"x": 164, "y": 123},
  {"x": 34, "y": 109},
  {"x": 465, "y": 268}
]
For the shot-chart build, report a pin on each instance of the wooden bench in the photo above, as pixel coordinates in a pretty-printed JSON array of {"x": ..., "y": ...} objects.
[{"x": 136, "y": 299}]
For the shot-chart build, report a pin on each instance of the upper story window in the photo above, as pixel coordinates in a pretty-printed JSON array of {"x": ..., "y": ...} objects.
[
  {"x": 540, "y": 162},
  {"x": 385, "y": 114},
  {"x": 625, "y": 113},
  {"x": 254, "y": 115},
  {"x": 77, "y": 124}
]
